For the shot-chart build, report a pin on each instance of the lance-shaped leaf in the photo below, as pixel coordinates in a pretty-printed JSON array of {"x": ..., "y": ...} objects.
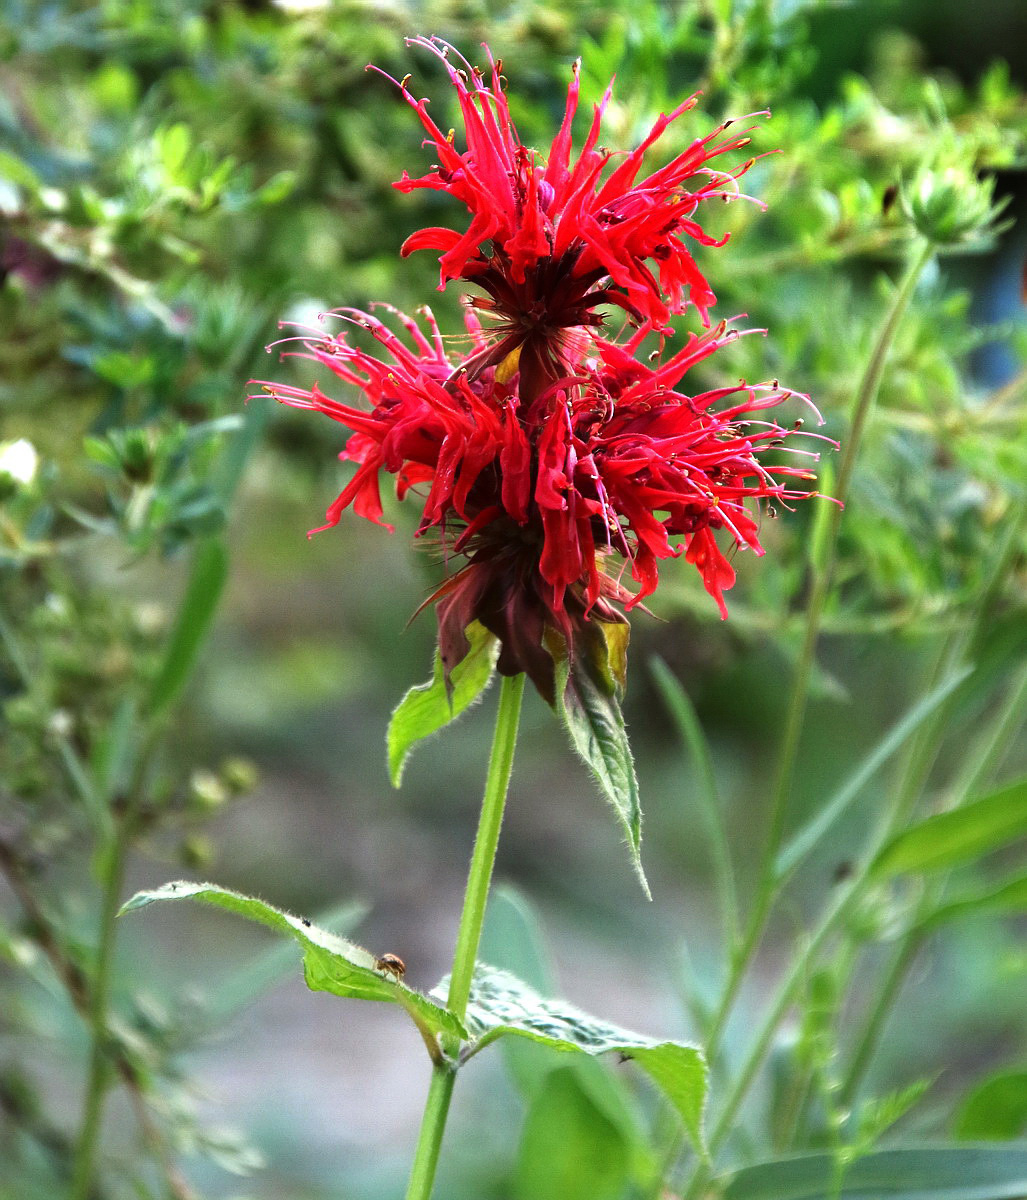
[
  {"x": 589, "y": 689},
  {"x": 961, "y": 835},
  {"x": 501, "y": 1004},
  {"x": 426, "y": 708},
  {"x": 330, "y": 963},
  {"x": 923, "y": 1173},
  {"x": 195, "y": 617},
  {"x": 1007, "y": 897}
]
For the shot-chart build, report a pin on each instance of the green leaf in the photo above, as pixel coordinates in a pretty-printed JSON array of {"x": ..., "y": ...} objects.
[
  {"x": 802, "y": 842},
  {"x": 425, "y": 709},
  {"x": 207, "y": 581},
  {"x": 587, "y": 701},
  {"x": 501, "y": 1004},
  {"x": 691, "y": 732},
  {"x": 959, "y": 836},
  {"x": 330, "y": 963},
  {"x": 112, "y": 757},
  {"x": 878, "y": 1114},
  {"x": 273, "y": 964},
  {"x": 173, "y": 143},
  {"x": 235, "y": 455},
  {"x": 926, "y": 1173},
  {"x": 513, "y": 940},
  {"x": 1010, "y": 896},
  {"x": 18, "y": 171},
  {"x": 997, "y": 1109},
  {"x": 569, "y": 1147},
  {"x": 278, "y": 188}
]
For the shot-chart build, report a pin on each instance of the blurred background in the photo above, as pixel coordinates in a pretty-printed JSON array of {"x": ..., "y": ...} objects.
[{"x": 175, "y": 179}]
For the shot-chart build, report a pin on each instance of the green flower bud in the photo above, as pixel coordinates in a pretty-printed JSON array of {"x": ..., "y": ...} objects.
[
  {"x": 196, "y": 852},
  {"x": 949, "y": 204},
  {"x": 206, "y": 791},
  {"x": 239, "y": 776}
]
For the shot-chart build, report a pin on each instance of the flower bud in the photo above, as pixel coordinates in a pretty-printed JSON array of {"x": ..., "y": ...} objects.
[
  {"x": 239, "y": 776},
  {"x": 196, "y": 852},
  {"x": 950, "y": 204},
  {"x": 206, "y": 791}
]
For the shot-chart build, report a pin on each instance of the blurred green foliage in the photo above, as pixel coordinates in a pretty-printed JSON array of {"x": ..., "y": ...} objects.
[{"x": 177, "y": 177}]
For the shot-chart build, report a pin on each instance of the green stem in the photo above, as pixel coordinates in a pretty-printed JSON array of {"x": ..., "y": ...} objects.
[
  {"x": 487, "y": 839},
  {"x": 983, "y": 761},
  {"x": 433, "y": 1126},
  {"x": 844, "y": 903},
  {"x": 483, "y": 857},
  {"x": 100, "y": 1065},
  {"x": 769, "y": 882},
  {"x": 887, "y": 992},
  {"x": 839, "y": 910},
  {"x": 823, "y": 576},
  {"x": 687, "y": 720},
  {"x": 994, "y": 745}
]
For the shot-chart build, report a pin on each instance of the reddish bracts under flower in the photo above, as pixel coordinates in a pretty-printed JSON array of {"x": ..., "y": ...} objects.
[{"x": 551, "y": 240}]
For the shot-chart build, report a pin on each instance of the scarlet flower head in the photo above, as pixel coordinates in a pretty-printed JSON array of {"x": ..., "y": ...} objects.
[
  {"x": 555, "y": 466},
  {"x": 551, "y": 240}
]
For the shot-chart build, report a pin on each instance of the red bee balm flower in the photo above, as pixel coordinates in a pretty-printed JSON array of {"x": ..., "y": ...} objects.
[
  {"x": 550, "y": 241},
  {"x": 550, "y": 458}
]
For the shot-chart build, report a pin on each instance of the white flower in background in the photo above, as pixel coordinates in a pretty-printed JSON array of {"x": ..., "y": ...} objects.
[
  {"x": 301, "y": 6},
  {"x": 19, "y": 460}
]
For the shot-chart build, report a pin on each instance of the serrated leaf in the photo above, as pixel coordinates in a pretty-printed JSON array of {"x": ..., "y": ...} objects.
[
  {"x": 877, "y": 1115},
  {"x": 925, "y": 1173},
  {"x": 587, "y": 701},
  {"x": 330, "y": 963},
  {"x": 273, "y": 964},
  {"x": 960, "y": 835},
  {"x": 501, "y": 1004},
  {"x": 430, "y": 706}
]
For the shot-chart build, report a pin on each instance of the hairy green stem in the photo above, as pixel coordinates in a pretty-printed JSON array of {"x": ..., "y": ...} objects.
[
  {"x": 100, "y": 1062},
  {"x": 479, "y": 877},
  {"x": 484, "y": 854},
  {"x": 795, "y": 713},
  {"x": 433, "y": 1126}
]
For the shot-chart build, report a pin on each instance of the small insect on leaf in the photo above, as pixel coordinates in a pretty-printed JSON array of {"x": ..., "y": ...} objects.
[{"x": 391, "y": 964}]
